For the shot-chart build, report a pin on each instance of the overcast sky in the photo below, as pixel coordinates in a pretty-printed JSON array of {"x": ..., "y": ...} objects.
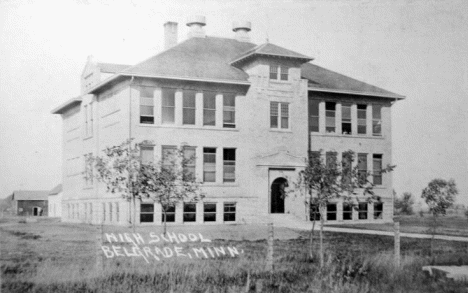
[{"x": 418, "y": 49}]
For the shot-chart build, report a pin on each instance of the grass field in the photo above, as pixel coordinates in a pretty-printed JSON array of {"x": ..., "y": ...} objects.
[
  {"x": 56, "y": 257},
  {"x": 453, "y": 225}
]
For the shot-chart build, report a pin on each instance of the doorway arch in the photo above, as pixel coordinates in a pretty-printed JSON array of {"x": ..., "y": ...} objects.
[{"x": 278, "y": 195}]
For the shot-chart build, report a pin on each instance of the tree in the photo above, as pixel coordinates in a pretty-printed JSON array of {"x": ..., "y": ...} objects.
[
  {"x": 170, "y": 182},
  {"x": 439, "y": 195},
  {"x": 404, "y": 205},
  {"x": 324, "y": 181},
  {"x": 122, "y": 170}
]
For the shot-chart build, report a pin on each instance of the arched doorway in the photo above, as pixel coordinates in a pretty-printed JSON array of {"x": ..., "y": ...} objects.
[{"x": 277, "y": 195}]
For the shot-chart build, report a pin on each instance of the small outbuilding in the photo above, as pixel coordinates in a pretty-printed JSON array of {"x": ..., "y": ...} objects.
[
  {"x": 30, "y": 202},
  {"x": 55, "y": 202}
]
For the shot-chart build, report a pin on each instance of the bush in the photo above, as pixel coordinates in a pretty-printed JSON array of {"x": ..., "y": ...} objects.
[{"x": 404, "y": 205}]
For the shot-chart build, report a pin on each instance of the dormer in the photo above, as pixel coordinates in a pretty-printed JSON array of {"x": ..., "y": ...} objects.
[
  {"x": 272, "y": 62},
  {"x": 95, "y": 72}
]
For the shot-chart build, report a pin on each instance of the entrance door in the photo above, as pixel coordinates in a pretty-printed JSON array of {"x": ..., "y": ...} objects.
[
  {"x": 278, "y": 195},
  {"x": 35, "y": 211}
]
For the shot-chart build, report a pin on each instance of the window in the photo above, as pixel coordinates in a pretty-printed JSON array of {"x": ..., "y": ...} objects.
[
  {"x": 209, "y": 108},
  {"x": 168, "y": 106},
  {"x": 103, "y": 212},
  {"x": 90, "y": 212},
  {"x": 362, "y": 168},
  {"x": 346, "y": 127},
  {"x": 279, "y": 72},
  {"x": 330, "y": 158},
  {"x": 88, "y": 117},
  {"x": 147, "y": 154},
  {"x": 378, "y": 210},
  {"x": 314, "y": 212},
  {"x": 229, "y": 212},
  {"x": 331, "y": 212},
  {"x": 188, "y": 102},
  {"x": 229, "y": 165},
  {"x": 116, "y": 212},
  {"x": 330, "y": 113},
  {"x": 274, "y": 71},
  {"x": 147, "y": 213},
  {"x": 346, "y": 167},
  {"x": 314, "y": 116},
  {"x": 362, "y": 210},
  {"x": 279, "y": 115},
  {"x": 347, "y": 211},
  {"x": 190, "y": 212},
  {"x": 376, "y": 120},
  {"x": 284, "y": 73},
  {"x": 168, "y": 213},
  {"x": 209, "y": 212},
  {"x": 229, "y": 111},
  {"x": 89, "y": 180},
  {"x": 209, "y": 164},
  {"x": 146, "y": 105},
  {"x": 189, "y": 163},
  {"x": 377, "y": 168},
  {"x": 110, "y": 212},
  {"x": 362, "y": 119},
  {"x": 168, "y": 156}
]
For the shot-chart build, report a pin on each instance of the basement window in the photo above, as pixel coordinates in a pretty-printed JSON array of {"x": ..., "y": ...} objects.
[
  {"x": 347, "y": 212},
  {"x": 209, "y": 212},
  {"x": 362, "y": 210},
  {"x": 190, "y": 212},
  {"x": 146, "y": 213},
  {"x": 331, "y": 212}
]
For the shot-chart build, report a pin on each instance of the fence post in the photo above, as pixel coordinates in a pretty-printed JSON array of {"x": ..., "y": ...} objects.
[
  {"x": 99, "y": 259},
  {"x": 396, "y": 223},
  {"x": 269, "y": 263}
]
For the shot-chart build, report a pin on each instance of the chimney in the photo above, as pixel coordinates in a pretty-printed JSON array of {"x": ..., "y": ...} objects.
[
  {"x": 196, "y": 24},
  {"x": 170, "y": 34},
  {"x": 242, "y": 29}
]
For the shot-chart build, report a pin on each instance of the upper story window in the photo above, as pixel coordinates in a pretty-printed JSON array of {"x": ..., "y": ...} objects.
[
  {"x": 168, "y": 106},
  {"x": 229, "y": 165},
  {"x": 362, "y": 119},
  {"x": 89, "y": 119},
  {"x": 314, "y": 116},
  {"x": 346, "y": 125},
  {"x": 209, "y": 108},
  {"x": 330, "y": 114},
  {"x": 279, "y": 115},
  {"x": 189, "y": 164},
  {"x": 189, "y": 109},
  {"x": 362, "y": 167},
  {"x": 168, "y": 156},
  {"x": 376, "y": 120},
  {"x": 279, "y": 72},
  {"x": 229, "y": 111},
  {"x": 89, "y": 179},
  {"x": 377, "y": 168},
  {"x": 209, "y": 164},
  {"x": 146, "y": 105}
]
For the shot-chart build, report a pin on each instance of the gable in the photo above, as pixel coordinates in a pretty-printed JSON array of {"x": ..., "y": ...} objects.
[{"x": 281, "y": 158}]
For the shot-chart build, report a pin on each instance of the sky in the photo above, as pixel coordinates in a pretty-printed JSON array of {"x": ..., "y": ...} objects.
[{"x": 416, "y": 48}]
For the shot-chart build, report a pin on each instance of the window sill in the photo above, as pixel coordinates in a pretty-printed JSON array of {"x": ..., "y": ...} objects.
[
  {"x": 212, "y": 128},
  {"x": 214, "y": 184},
  {"x": 345, "y": 135},
  {"x": 280, "y": 130},
  {"x": 279, "y": 81}
]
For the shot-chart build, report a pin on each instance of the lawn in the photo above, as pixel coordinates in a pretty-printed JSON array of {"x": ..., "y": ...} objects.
[
  {"x": 453, "y": 225},
  {"x": 57, "y": 257}
]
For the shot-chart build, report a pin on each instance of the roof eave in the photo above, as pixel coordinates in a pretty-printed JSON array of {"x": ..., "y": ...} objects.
[
  {"x": 242, "y": 58},
  {"x": 212, "y": 80},
  {"x": 67, "y": 105},
  {"x": 350, "y": 92}
]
